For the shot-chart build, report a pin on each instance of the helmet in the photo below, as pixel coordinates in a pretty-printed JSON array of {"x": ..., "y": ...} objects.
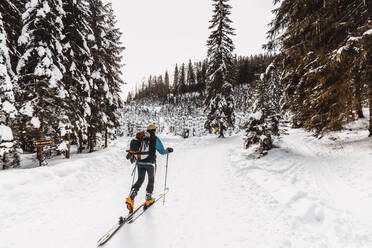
[{"x": 151, "y": 127}]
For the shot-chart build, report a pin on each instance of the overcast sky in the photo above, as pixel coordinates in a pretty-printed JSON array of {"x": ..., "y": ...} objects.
[{"x": 158, "y": 34}]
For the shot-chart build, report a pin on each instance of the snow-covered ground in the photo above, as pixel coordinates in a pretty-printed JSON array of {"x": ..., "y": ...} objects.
[{"x": 306, "y": 193}]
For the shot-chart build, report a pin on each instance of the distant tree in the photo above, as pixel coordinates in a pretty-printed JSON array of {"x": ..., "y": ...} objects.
[
  {"x": 129, "y": 98},
  {"x": 201, "y": 77},
  {"x": 175, "y": 81},
  {"x": 221, "y": 70},
  {"x": 166, "y": 83},
  {"x": 191, "y": 78},
  {"x": 182, "y": 81}
]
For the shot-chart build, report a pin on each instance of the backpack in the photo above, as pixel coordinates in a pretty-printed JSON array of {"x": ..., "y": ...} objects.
[{"x": 135, "y": 147}]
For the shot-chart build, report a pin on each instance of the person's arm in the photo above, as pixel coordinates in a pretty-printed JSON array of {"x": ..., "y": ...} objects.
[{"x": 160, "y": 147}]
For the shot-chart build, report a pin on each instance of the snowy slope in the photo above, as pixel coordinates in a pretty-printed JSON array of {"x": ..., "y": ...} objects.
[{"x": 307, "y": 193}]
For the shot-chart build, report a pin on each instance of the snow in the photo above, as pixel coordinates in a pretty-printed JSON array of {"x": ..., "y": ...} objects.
[
  {"x": 9, "y": 108},
  {"x": 35, "y": 122},
  {"x": 308, "y": 192},
  {"x": 257, "y": 115},
  {"x": 341, "y": 49},
  {"x": 27, "y": 109},
  {"x": 43, "y": 11},
  {"x": 41, "y": 51},
  {"x": 368, "y": 32},
  {"x": 5, "y": 133}
]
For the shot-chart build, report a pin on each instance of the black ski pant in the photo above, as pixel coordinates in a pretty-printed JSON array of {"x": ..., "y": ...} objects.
[{"x": 142, "y": 169}]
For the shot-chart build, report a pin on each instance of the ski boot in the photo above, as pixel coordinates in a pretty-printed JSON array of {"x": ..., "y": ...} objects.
[
  {"x": 130, "y": 201},
  {"x": 149, "y": 201},
  {"x": 130, "y": 204}
]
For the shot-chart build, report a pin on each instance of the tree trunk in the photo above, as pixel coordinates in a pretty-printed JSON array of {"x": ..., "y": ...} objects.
[
  {"x": 358, "y": 95},
  {"x": 40, "y": 150},
  {"x": 80, "y": 149},
  {"x": 91, "y": 140},
  {"x": 106, "y": 138},
  {"x": 367, "y": 44},
  {"x": 369, "y": 81},
  {"x": 221, "y": 130},
  {"x": 68, "y": 152}
]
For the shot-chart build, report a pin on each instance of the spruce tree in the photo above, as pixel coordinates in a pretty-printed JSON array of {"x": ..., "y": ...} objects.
[
  {"x": 182, "y": 80},
  {"x": 221, "y": 71},
  {"x": 166, "y": 83},
  {"x": 321, "y": 47},
  {"x": 75, "y": 80},
  {"x": 104, "y": 80},
  {"x": 40, "y": 71},
  {"x": 175, "y": 80},
  {"x": 12, "y": 14},
  {"x": 9, "y": 158},
  {"x": 191, "y": 78},
  {"x": 113, "y": 62}
]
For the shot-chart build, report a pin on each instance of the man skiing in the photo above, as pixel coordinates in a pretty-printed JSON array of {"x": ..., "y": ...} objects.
[{"x": 146, "y": 159}]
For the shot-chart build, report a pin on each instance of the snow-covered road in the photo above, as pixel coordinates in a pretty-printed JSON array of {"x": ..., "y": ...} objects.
[{"x": 307, "y": 193}]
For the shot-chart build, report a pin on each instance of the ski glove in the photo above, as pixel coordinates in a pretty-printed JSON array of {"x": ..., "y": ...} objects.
[{"x": 169, "y": 149}]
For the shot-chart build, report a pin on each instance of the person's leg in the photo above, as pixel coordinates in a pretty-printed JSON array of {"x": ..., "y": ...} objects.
[
  {"x": 139, "y": 182},
  {"x": 151, "y": 176}
]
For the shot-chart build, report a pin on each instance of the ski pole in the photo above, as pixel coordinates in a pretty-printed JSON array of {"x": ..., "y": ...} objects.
[
  {"x": 133, "y": 176},
  {"x": 166, "y": 175}
]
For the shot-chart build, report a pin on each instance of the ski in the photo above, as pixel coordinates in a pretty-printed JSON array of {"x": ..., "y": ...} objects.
[
  {"x": 145, "y": 209},
  {"x": 122, "y": 221}
]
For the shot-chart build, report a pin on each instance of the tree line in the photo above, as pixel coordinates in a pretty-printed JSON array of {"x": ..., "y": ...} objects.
[
  {"x": 60, "y": 74},
  {"x": 192, "y": 78}
]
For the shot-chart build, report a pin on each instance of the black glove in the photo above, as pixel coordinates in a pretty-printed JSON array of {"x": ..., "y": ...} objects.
[
  {"x": 169, "y": 149},
  {"x": 129, "y": 155}
]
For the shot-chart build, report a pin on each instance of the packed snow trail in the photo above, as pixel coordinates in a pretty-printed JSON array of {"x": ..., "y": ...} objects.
[
  {"x": 204, "y": 207},
  {"x": 307, "y": 193}
]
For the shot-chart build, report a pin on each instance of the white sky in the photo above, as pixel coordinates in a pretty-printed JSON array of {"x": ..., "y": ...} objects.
[{"x": 158, "y": 34}]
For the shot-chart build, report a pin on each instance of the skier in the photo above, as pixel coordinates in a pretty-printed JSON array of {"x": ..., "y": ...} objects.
[{"x": 145, "y": 163}]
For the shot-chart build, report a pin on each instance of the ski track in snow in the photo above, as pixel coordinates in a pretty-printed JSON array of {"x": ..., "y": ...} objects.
[
  {"x": 322, "y": 188},
  {"x": 306, "y": 193}
]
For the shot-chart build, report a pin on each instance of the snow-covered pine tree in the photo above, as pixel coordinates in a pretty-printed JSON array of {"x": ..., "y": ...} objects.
[
  {"x": 221, "y": 71},
  {"x": 97, "y": 79},
  {"x": 263, "y": 123},
  {"x": 78, "y": 64},
  {"x": 113, "y": 62},
  {"x": 9, "y": 158},
  {"x": 105, "y": 79},
  {"x": 12, "y": 12},
  {"x": 40, "y": 71}
]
